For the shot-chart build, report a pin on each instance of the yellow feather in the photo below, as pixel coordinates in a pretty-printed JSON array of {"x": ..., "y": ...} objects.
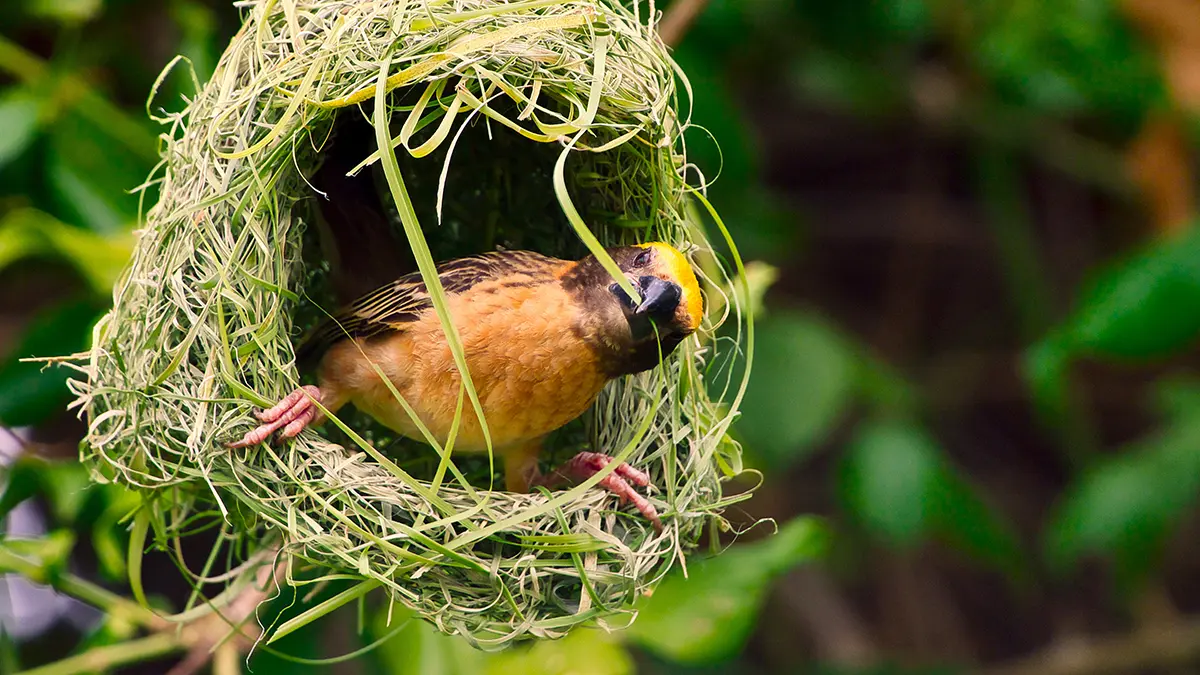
[{"x": 681, "y": 271}]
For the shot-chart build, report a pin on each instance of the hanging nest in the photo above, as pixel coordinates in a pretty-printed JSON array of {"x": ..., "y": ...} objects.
[{"x": 518, "y": 122}]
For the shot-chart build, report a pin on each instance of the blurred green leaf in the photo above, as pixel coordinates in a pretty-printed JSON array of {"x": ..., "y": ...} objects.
[
  {"x": 66, "y": 485},
  {"x": 66, "y": 11},
  {"x": 734, "y": 154},
  {"x": 109, "y": 535},
  {"x": 841, "y": 81},
  {"x": 897, "y": 481},
  {"x": 100, "y": 258},
  {"x": 1177, "y": 397},
  {"x": 1125, "y": 506},
  {"x": 91, "y": 174},
  {"x": 802, "y": 383},
  {"x": 10, "y": 659},
  {"x": 865, "y": 27},
  {"x": 19, "y": 122},
  {"x": 1145, "y": 307},
  {"x": 21, "y": 481},
  {"x": 759, "y": 279},
  {"x": 50, "y": 552},
  {"x": 112, "y": 630},
  {"x": 771, "y": 231},
  {"x": 1045, "y": 367},
  {"x": 1064, "y": 56},
  {"x": 708, "y": 615},
  {"x": 420, "y": 649},
  {"x": 965, "y": 521},
  {"x": 890, "y": 479},
  {"x": 586, "y": 651},
  {"x": 31, "y": 392},
  {"x": 198, "y": 27}
]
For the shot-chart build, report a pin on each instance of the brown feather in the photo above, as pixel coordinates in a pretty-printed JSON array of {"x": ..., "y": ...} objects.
[
  {"x": 393, "y": 306},
  {"x": 531, "y": 369}
]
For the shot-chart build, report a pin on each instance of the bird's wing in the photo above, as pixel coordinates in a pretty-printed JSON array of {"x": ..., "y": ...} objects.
[{"x": 390, "y": 307}]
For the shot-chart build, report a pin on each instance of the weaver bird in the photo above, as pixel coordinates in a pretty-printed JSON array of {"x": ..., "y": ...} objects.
[{"x": 541, "y": 336}]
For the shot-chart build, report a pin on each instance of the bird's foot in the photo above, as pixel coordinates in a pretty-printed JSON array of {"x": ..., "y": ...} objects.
[
  {"x": 620, "y": 482},
  {"x": 292, "y": 414}
]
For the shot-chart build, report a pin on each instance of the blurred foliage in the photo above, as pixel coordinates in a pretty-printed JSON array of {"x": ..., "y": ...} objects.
[
  {"x": 707, "y": 615},
  {"x": 1020, "y": 88}
]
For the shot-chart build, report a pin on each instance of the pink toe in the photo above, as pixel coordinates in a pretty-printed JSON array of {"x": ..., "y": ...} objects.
[{"x": 297, "y": 425}]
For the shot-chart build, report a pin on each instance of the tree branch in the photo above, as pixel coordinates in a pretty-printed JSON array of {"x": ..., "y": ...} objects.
[
  {"x": 678, "y": 19},
  {"x": 1133, "y": 652},
  {"x": 102, "y": 659}
]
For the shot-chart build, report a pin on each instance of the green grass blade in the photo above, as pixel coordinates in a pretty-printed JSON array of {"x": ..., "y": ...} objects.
[
  {"x": 420, "y": 248},
  {"x": 137, "y": 547},
  {"x": 312, "y": 614}
]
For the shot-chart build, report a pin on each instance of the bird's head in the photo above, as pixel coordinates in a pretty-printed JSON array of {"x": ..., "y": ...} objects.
[
  {"x": 631, "y": 337},
  {"x": 671, "y": 306}
]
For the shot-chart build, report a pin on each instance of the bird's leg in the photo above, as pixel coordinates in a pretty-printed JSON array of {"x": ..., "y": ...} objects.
[
  {"x": 521, "y": 465},
  {"x": 620, "y": 482},
  {"x": 292, "y": 414}
]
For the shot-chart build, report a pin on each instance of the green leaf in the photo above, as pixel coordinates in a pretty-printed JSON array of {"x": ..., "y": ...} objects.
[
  {"x": 91, "y": 175},
  {"x": 99, "y": 258},
  {"x": 802, "y": 383},
  {"x": 280, "y": 658},
  {"x": 1064, "y": 56},
  {"x": 1045, "y": 367},
  {"x": 964, "y": 520},
  {"x": 21, "y": 481},
  {"x": 708, "y": 615},
  {"x": 198, "y": 27},
  {"x": 584, "y": 651},
  {"x": 67, "y": 486},
  {"x": 19, "y": 121},
  {"x": 759, "y": 278},
  {"x": 137, "y": 550},
  {"x": 420, "y": 649},
  {"x": 1126, "y": 506},
  {"x": 1145, "y": 307},
  {"x": 897, "y": 481},
  {"x": 51, "y": 552},
  {"x": 890, "y": 478},
  {"x": 66, "y": 11},
  {"x": 10, "y": 657},
  {"x": 109, "y": 535},
  {"x": 31, "y": 392},
  {"x": 114, "y": 629},
  {"x": 734, "y": 155}
]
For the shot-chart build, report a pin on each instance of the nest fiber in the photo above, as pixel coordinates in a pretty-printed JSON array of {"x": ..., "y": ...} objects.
[{"x": 508, "y": 124}]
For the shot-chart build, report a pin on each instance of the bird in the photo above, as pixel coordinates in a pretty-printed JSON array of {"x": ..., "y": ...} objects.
[{"x": 541, "y": 338}]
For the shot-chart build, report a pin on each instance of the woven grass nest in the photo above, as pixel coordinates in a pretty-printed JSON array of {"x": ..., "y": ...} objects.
[{"x": 533, "y": 124}]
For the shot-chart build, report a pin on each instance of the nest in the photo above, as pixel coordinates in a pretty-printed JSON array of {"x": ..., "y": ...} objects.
[{"x": 514, "y": 124}]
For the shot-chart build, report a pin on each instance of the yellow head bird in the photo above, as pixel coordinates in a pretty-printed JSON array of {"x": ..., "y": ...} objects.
[{"x": 542, "y": 337}]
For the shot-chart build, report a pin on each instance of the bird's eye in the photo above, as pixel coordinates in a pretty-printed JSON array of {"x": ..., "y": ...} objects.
[{"x": 642, "y": 258}]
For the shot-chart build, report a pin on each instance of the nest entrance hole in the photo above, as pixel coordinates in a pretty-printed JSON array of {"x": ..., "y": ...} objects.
[{"x": 497, "y": 193}]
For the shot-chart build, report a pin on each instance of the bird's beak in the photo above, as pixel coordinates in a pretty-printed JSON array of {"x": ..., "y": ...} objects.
[{"x": 660, "y": 298}]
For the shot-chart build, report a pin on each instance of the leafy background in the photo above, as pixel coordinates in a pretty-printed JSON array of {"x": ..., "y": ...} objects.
[{"x": 977, "y": 363}]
